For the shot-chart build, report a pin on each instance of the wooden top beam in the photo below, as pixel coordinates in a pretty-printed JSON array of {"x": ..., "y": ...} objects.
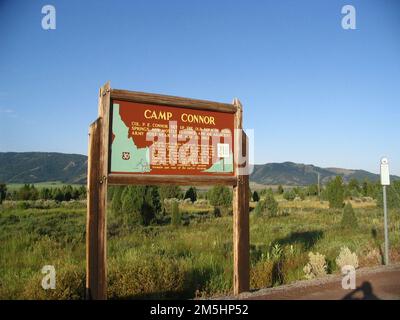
[{"x": 160, "y": 99}]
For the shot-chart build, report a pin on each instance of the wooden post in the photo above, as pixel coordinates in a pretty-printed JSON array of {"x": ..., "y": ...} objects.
[
  {"x": 241, "y": 262},
  {"x": 96, "y": 227},
  {"x": 92, "y": 211}
]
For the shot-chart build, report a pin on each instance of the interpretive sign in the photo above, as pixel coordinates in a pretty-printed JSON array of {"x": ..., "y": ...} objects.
[
  {"x": 152, "y": 139},
  {"x": 167, "y": 140}
]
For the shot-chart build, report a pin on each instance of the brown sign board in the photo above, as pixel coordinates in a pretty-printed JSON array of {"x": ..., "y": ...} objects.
[{"x": 155, "y": 139}]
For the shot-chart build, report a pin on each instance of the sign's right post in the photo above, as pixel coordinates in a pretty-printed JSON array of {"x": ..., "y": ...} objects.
[{"x": 241, "y": 239}]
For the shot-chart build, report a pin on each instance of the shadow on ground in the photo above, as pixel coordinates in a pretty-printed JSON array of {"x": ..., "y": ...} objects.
[{"x": 365, "y": 289}]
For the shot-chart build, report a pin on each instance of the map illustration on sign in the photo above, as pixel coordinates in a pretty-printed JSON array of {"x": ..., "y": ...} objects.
[{"x": 166, "y": 140}]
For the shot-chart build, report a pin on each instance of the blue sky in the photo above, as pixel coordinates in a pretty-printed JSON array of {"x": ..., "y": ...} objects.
[{"x": 312, "y": 91}]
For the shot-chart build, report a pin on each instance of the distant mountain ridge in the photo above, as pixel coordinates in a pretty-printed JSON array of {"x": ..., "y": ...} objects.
[
  {"x": 295, "y": 174},
  {"x": 35, "y": 167}
]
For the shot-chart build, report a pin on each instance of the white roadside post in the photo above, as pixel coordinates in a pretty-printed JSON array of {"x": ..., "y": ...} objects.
[{"x": 385, "y": 181}]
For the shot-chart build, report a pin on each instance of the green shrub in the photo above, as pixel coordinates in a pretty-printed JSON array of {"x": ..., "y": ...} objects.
[
  {"x": 255, "y": 196},
  {"x": 70, "y": 285},
  {"x": 116, "y": 201},
  {"x": 316, "y": 267},
  {"x": 392, "y": 195},
  {"x": 289, "y": 195},
  {"x": 220, "y": 196},
  {"x": 23, "y": 205},
  {"x": 176, "y": 216},
  {"x": 346, "y": 257},
  {"x": 335, "y": 192},
  {"x": 140, "y": 204},
  {"x": 312, "y": 190},
  {"x": 191, "y": 194},
  {"x": 300, "y": 192},
  {"x": 258, "y": 210},
  {"x": 268, "y": 206},
  {"x": 261, "y": 275},
  {"x": 147, "y": 278},
  {"x": 3, "y": 192},
  {"x": 349, "y": 219}
]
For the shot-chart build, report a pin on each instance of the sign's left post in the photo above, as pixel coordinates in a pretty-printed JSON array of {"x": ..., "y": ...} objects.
[{"x": 96, "y": 224}]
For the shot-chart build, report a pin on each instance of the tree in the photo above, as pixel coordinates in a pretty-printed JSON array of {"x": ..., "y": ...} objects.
[
  {"x": 140, "y": 204},
  {"x": 352, "y": 189},
  {"x": 280, "y": 190},
  {"x": 191, "y": 194},
  {"x": 267, "y": 206},
  {"x": 289, "y": 195},
  {"x": 67, "y": 192},
  {"x": 82, "y": 192},
  {"x": 271, "y": 204},
  {"x": 260, "y": 207},
  {"x": 45, "y": 194},
  {"x": 152, "y": 198},
  {"x": 354, "y": 185},
  {"x": 169, "y": 192},
  {"x": 369, "y": 189},
  {"x": 3, "y": 192},
  {"x": 75, "y": 193},
  {"x": 130, "y": 205},
  {"x": 392, "y": 195},
  {"x": 28, "y": 192},
  {"x": 300, "y": 193},
  {"x": 349, "y": 219},
  {"x": 256, "y": 197},
  {"x": 335, "y": 192},
  {"x": 220, "y": 196},
  {"x": 176, "y": 217},
  {"x": 312, "y": 190},
  {"x": 57, "y": 194},
  {"x": 116, "y": 201}
]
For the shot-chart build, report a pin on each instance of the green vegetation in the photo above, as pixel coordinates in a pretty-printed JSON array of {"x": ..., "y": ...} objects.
[
  {"x": 289, "y": 195},
  {"x": 335, "y": 192},
  {"x": 255, "y": 196},
  {"x": 191, "y": 194},
  {"x": 349, "y": 219},
  {"x": 3, "y": 192},
  {"x": 58, "y": 192},
  {"x": 392, "y": 195},
  {"x": 267, "y": 206},
  {"x": 220, "y": 196},
  {"x": 140, "y": 205},
  {"x": 161, "y": 245},
  {"x": 176, "y": 217}
]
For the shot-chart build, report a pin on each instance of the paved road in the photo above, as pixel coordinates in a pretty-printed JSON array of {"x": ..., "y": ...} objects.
[{"x": 373, "y": 283}]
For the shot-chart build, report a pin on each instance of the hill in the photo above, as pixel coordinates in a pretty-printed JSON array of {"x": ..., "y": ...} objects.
[
  {"x": 35, "y": 167},
  {"x": 294, "y": 174}
]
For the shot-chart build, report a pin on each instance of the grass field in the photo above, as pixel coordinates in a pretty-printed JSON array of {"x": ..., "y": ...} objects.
[{"x": 194, "y": 260}]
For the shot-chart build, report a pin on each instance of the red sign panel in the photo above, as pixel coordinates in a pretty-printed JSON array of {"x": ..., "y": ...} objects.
[{"x": 167, "y": 140}]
